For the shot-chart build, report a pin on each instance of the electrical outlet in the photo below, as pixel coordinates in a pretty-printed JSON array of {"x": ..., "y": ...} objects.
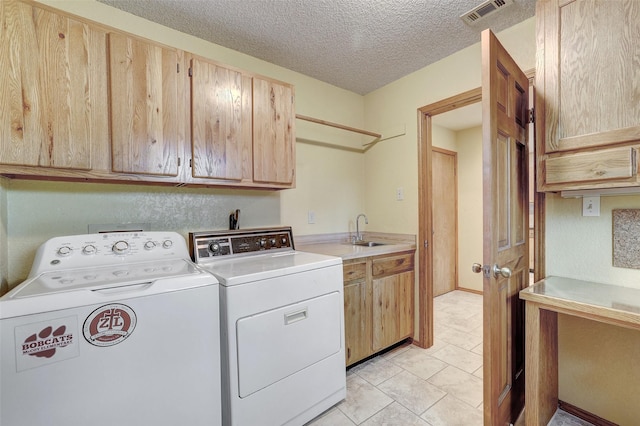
[
  {"x": 591, "y": 206},
  {"x": 400, "y": 193},
  {"x": 311, "y": 217}
]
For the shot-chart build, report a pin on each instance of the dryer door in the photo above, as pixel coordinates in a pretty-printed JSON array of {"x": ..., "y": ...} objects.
[{"x": 278, "y": 343}]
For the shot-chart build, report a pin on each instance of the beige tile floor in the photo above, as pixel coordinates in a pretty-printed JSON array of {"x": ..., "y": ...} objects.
[{"x": 409, "y": 386}]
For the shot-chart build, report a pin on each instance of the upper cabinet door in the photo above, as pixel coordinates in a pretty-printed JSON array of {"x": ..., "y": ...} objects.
[
  {"x": 220, "y": 122},
  {"x": 588, "y": 73},
  {"x": 273, "y": 132},
  {"x": 53, "y": 88},
  {"x": 145, "y": 111}
]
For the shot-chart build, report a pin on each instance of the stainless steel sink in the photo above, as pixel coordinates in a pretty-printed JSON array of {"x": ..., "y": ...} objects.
[{"x": 367, "y": 243}]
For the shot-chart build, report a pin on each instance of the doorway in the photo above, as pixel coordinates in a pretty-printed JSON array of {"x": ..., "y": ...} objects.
[{"x": 425, "y": 214}]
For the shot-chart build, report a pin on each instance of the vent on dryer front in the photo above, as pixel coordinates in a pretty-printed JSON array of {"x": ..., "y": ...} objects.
[{"x": 485, "y": 9}]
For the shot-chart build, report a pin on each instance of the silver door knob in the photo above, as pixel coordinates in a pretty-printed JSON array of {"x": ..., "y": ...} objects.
[
  {"x": 476, "y": 267},
  {"x": 505, "y": 272}
]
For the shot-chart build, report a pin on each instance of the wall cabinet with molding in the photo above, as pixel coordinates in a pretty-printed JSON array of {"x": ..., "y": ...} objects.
[
  {"x": 53, "y": 101},
  {"x": 378, "y": 303},
  {"x": 242, "y": 127},
  {"x": 220, "y": 122},
  {"x": 80, "y": 101},
  {"x": 145, "y": 109},
  {"x": 273, "y": 132},
  {"x": 588, "y": 98}
]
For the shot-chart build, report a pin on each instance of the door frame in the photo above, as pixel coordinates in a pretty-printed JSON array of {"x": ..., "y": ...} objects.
[{"x": 425, "y": 209}]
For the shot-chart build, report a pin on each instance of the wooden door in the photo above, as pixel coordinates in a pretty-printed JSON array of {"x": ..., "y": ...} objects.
[
  {"x": 273, "y": 132},
  {"x": 505, "y": 90},
  {"x": 144, "y": 107},
  {"x": 220, "y": 122},
  {"x": 445, "y": 220},
  {"x": 53, "y": 88}
]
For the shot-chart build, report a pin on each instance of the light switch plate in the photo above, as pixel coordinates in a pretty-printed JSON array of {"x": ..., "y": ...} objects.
[
  {"x": 591, "y": 206},
  {"x": 311, "y": 217}
]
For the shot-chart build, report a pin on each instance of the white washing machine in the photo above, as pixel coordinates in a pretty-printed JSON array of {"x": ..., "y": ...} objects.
[
  {"x": 111, "y": 329},
  {"x": 282, "y": 326}
]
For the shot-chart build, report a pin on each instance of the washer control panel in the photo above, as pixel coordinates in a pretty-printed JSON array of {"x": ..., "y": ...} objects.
[
  {"x": 87, "y": 250},
  {"x": 225, "y": 244}
]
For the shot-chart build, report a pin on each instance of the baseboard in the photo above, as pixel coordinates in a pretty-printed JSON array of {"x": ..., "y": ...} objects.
[
  {"x": 584, "y": 415},
  {"x": 468, "y": 290}
]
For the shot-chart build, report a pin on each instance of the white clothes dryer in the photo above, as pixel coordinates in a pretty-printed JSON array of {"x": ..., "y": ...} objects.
[{"x": 282, "y": 326}]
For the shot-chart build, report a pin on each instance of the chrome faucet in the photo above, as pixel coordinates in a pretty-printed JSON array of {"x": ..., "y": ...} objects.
[{"x": 366, "y": 221}]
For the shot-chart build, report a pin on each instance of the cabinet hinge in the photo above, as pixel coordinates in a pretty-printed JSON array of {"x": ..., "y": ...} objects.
[
  {"x": 190, "y": 165},
  {"x": 178, "y": 68},
  {"x": 532, "y": 116},
  {"x": 190, "y": 72},
  {"x": 426, "y": 243},
  {"x": 179, "y": 161}
]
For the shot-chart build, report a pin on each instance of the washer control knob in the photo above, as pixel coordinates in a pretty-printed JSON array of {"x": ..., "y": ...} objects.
[
  {"x": 149, "y": 245},
  {"x": 263, "y": 243},
  {"x": 214, "y": 247},
  {"x": 284, "y": 241},
  {"x": 272, "y": 241},
  {"x": 89, "y": 249},
  {"x": 120, "y": 247},
  {"x": 167, "y": 244},
  {"x": 65, "y": 251}
]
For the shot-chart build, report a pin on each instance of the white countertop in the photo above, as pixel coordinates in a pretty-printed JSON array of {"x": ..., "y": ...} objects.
[
  {"x": 340, "y": 244},
  {"x": 606, "y": 302}
]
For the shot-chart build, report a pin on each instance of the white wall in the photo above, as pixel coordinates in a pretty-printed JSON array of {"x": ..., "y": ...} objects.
[
  {"x": 394, "y": 162},
  {"x": 598, "y": 363},
  {"x": 470, "y": 221},
  {"x": 41, "y": 210},
  {"x": 582, "y": 247}
]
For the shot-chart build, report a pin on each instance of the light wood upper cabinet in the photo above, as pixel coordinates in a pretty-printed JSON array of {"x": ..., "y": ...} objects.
[
  {"x": 220, "y": 122},
  {"x": 588, "y": 96},
  {"x": 80, "y": 101},
  {"x": 53, "y": 88},
  {"x": 145, "y": 113},
  {"x": 273, "y": 132}
]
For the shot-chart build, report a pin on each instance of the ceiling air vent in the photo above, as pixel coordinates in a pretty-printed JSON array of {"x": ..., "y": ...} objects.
[{"x": 483, "y": 10}]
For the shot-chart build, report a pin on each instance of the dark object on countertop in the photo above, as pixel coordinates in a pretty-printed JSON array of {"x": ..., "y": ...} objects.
[{"x": 234, "y": 220}]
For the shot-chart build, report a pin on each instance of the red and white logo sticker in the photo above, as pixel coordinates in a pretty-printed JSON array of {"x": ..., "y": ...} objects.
[
  {"x": 109, "y": 325},
  {"x": 45, "y": 342}
]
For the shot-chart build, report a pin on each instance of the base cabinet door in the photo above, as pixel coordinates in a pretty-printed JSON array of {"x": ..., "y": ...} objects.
[
  {"x": 357, "y": 343},
  {"x": 53, "y": 88},
  {"x": 378, "y": 303},
  {"x": 392, "y": 309}
]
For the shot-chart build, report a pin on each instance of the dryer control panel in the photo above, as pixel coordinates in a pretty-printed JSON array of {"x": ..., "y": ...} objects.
[{"x": 226, "y": 244}]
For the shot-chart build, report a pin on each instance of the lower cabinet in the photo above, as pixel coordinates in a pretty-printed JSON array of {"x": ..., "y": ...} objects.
[{"x": 378, "y": 303}]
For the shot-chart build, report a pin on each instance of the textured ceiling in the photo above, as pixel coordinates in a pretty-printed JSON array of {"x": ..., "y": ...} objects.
[{"x": 359, "y": 45}]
